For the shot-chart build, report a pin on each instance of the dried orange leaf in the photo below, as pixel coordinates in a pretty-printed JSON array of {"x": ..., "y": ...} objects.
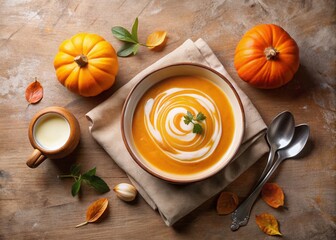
[
  {"x": 227, "y": 203},
  {"x": 273, "y": 195},
  {"x": 95, "y": 211},
  {"x": 156, "y": 40},
  {"x": 268, "y": 224},
  {"x": 34, "y": 92}
]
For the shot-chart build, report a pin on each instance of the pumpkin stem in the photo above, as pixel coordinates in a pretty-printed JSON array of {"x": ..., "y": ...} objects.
[
  {"x": 271, "y": 53},
  {"x": 81, "y": 60}
]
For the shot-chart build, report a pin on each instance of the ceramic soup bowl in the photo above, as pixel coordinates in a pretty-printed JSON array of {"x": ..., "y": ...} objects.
[{"x": 183, "y": 123}]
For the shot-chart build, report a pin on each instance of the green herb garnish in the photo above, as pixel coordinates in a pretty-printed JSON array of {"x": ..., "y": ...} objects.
[
  {"x": 155, "y": 41},
  {"x": 89, "y": 178},
  {"x": 189, "y": 118},
  {"x": 130, "y": 39}
]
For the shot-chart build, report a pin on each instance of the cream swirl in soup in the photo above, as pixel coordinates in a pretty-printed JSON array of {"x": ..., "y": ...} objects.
[
  {"x": 164, "y": 120},
  {"x": 163, "y": 138}
]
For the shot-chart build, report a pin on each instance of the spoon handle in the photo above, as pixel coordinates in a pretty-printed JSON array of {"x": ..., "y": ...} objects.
[
  {"x": 268, "y": 166},
  {"x": 241, "y": 215}
]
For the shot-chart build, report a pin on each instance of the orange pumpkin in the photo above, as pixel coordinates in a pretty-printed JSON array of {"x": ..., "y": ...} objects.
[
  {"x": 86, "y": 64},
  {"x": 267, "y": 57}
]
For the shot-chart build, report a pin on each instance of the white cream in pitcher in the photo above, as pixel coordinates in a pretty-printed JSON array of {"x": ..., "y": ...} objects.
[{"x": 51, "y": 131}]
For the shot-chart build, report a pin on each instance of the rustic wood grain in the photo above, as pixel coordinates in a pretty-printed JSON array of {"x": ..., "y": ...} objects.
[{"x": 35, "y": 204}]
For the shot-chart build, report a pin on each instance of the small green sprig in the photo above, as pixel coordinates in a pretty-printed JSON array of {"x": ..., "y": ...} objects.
[
  {"x": 89, "y": 178},
  {"x": 130, "y": 39},
  {"x": 155, "y": 41},
  {"x": 189, "y": 118}
]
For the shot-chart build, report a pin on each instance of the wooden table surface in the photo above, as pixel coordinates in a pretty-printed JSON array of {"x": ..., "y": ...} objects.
[{"x": 35, "y": 204}]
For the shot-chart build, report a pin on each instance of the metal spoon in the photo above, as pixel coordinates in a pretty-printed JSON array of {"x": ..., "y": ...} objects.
[
  {"x": 241, "y": 216},
  {"x": 278, "y": 136}
]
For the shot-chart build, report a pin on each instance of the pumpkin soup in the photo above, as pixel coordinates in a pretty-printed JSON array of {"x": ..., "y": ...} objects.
[{"x": 163, "y": 137}]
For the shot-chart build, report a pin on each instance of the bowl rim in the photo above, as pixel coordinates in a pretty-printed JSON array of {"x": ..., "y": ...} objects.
[{"x": 143, "y": 166}]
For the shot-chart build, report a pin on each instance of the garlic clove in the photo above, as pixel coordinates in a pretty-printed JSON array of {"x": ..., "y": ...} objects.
[{"x": 125, "y": 191}]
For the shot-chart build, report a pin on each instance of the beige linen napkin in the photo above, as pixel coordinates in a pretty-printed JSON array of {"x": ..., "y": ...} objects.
[{"x": 175, "y": 201}]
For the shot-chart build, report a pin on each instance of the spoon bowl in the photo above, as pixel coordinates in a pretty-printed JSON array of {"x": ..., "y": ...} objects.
[
  {"x": 297, "y": 144},
  {"x": 281, "y": 130}
]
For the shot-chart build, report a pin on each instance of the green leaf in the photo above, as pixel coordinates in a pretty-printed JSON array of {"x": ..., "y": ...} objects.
[
  {"x": 200, "y": 117},
  {"x": 186, "y": 120},
  {"x": 197, "y": 128},
  {"x": 135, "y": 49},
  {"x": 99, "y": 184},
  {"x": 135, "y": 29},
  {"x": 75, "y": 169},
  {"x": 190, "y": 116},
  {"x": 75, "y": 187},
  {"x": 88, "y": 178},
  {"x": 91, "y": 172},
  {"x": 123, "y": 34},
  {"x": 127, "y": 49}
]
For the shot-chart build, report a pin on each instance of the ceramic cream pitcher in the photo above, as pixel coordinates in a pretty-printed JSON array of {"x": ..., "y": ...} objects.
[{"x": 54, "y": 133}]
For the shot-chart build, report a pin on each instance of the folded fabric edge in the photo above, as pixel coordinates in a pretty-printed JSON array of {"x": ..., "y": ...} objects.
[
  {"x": 90, "y": 121},
  {"x": 143, "y": 193}
]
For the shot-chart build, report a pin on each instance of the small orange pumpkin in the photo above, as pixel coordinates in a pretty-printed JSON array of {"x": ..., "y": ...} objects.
[
  {"x": 86, "y": 64},
  {"x": 267, "y": 57}
]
